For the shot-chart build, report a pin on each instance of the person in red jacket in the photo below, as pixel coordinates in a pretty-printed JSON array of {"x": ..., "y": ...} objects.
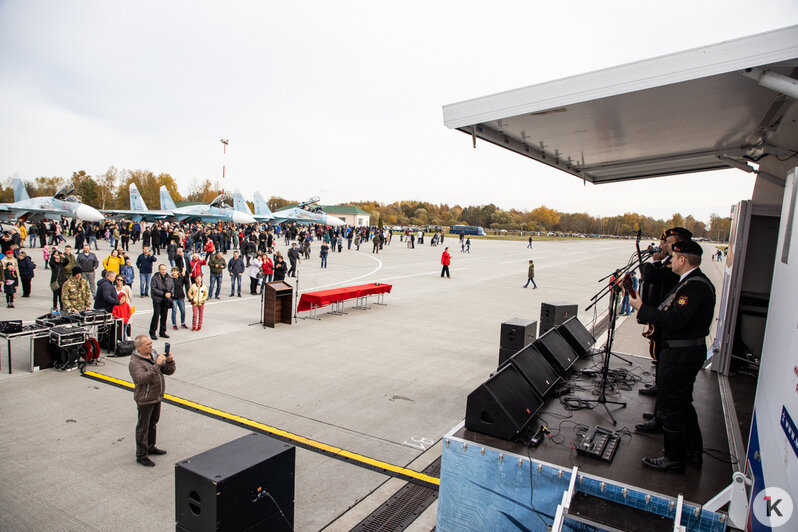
[
  {"x": 446, "y": 259},
  {"x": 123, "y": 311},
  {"x": 267, "y": 267}
]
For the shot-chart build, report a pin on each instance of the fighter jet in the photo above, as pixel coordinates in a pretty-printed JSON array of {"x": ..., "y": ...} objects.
[
  {"x": 138, "y": 209},
  {"x": 303, "y": 213},
  {"x": 240, "y": 204},
  {"x": 216, "y": 211},
  {"x": 62, "y": 205}
]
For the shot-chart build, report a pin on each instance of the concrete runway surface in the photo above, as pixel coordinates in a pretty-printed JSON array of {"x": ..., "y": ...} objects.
[{"x": 385, "y": 383}]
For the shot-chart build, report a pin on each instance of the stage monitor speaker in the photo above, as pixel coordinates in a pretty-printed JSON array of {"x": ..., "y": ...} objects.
[
  {"x": 577, "y": 336},
  {"x": 553, "y": 314},
  {"x": 505, "y": 354},
  {"x": 518, "y": 333},
  {"x": 537, "y": 371},
  {"x": 245, "y": 484},
  {"x": 503, "y": 405},
  {"x": 557, "y": 351}
]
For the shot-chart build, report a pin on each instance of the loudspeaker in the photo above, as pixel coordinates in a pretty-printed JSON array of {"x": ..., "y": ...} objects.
[
  {"x": 577, "y": 336},
  {"x": 537, "y": 371},
  {"x": 517, "y": 333},
  {"x": 505, "y": 354},
  {"x": 553, "y": 314},
  {"x": 245, "y": 484},
  {"x": 557, "y": 351},
  {"x": 503, "y": 405},
  {"x": 44, "y": 353}
]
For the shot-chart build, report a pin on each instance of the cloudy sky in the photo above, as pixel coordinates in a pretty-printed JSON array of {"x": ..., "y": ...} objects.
[{"x": 337, "y": 99}]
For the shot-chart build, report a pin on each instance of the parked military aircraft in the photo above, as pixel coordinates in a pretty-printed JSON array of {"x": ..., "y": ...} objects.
[
  {"x": 240, "y": 204},
  {"x": 215, "y": 211},
  {"x": 61, "y": 205},
  {"x": 138, "y": 209},
  {"x": 300, "y": 214}
]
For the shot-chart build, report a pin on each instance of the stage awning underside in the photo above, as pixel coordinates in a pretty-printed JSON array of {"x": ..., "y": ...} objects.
[{"x": 685, "y": 112}]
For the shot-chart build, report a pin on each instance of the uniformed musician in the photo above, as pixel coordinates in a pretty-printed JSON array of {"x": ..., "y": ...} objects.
[
  {"x": 684, "y": 318},
  {"x": 658, "y": 280}
]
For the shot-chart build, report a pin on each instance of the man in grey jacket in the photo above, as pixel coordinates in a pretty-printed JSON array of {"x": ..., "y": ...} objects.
[
  {"x": 147, "y": 369},
  {"x": 88, "y": 263}
]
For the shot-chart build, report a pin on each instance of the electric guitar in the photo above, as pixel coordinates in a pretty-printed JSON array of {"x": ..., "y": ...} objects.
[{"x": 651, "y": 333}]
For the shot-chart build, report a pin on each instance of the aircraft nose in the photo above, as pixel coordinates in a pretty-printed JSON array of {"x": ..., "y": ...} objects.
[
  {"x": 242, "y": 218},
  {"x": 334, "y": 222},
  {"x": 90, "y": 214}
]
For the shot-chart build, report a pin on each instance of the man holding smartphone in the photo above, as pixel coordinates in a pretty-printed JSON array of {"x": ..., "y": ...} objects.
[{"x": 147, "y": 369}]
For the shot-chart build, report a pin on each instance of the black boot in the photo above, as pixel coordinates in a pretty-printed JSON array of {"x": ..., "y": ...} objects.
[
  {"x": 675, "y": 451},
  {"x": 695, "y": 442},
  {"x": 648, "y": 390}
]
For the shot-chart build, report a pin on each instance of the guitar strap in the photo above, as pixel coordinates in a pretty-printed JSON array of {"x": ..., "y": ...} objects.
[{"x": 666, "y": 305}]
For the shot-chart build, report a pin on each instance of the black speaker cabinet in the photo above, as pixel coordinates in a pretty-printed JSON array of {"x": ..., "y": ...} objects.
[
  {"x": 518, "y": 333},
  {"x": 577, "y": 336},
  {"x": 537, "y": 371},
  {"x": 44, "y": 353},
  {"x": 557, "y": 351},
  {"x": 244, "y": 484},
  {"x": 505, "y": 354},
  {"x": 503, "y": 405},
  {"x": 553, "y": 314}
]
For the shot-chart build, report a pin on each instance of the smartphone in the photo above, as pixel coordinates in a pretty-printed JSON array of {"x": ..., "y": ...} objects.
[{"x": 167, "y": 347}]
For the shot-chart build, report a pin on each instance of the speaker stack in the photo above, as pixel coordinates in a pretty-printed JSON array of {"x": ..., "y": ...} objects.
[
  {"x": 246, "y": 484},
  {"x": 516, "y": 334},
  {"x": 553, "y": 314},
  {"x": 557, "y": 351},
  {"x": 503, "y": 405},
  {"x": 577, "y": 336}
]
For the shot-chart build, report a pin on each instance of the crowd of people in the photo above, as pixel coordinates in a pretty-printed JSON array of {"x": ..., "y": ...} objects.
[{"x": 180, "y": 264}]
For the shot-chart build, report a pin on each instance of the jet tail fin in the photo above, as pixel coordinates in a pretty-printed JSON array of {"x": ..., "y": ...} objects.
[
  {"x": 166, "y": 200},
  {"x": 239, "y": 203},
  {"x": 19, "y": 190},
  {"x": 136, "y": 201},
  {"x": 261, "y": 207}
]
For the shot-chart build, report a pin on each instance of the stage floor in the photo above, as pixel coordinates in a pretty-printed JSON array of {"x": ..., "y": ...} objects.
[{"x": 696, "y": 485}]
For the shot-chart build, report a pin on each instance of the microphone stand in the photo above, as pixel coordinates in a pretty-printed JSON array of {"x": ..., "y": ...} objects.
[{"x": 602, "y": 398}]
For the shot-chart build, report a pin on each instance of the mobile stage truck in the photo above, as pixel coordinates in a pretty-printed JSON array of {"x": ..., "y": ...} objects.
[{"x": 728, "y": 105}]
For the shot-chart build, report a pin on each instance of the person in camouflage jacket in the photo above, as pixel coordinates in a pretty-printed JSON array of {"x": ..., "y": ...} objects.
[{"x": 75, "y": 293}]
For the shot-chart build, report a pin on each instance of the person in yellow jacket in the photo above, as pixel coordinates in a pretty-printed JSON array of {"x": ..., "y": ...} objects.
[
  {"x": 197, "y": 295},
  {"x": 113, "y": 261}
]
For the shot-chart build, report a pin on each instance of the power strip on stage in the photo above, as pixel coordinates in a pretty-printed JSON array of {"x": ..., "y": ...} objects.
[{"x": 599, "y": 443}]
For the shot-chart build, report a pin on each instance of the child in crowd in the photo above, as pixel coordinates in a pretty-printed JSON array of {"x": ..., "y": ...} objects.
[
  {"x": 123, "y": 310},
  {"x": 11, "y": 280}
]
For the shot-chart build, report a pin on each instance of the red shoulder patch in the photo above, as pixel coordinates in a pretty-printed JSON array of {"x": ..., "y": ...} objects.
[{"x": 681, "y": 301}]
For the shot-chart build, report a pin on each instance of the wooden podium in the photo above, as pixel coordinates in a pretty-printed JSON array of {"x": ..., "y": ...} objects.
[{"x": 278, "y": 302}]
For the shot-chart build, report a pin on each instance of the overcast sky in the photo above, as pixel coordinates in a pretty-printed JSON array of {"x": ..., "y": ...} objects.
[{"x": 337, "y": 99}]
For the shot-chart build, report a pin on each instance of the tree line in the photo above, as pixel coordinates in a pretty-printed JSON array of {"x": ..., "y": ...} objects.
[{"x": 109, "y": 190}]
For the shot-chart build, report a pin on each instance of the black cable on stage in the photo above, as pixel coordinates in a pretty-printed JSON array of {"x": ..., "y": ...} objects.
[{"x": 532, "y": 493}]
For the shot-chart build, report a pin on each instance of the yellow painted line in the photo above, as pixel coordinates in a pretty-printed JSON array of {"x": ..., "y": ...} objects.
[{"x": 305, "y": 442}]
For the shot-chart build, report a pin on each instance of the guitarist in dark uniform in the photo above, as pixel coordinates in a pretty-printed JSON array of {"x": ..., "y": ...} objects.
[
  {"x": 684, "y": 318},
  {"x": 657, "y": 281}
]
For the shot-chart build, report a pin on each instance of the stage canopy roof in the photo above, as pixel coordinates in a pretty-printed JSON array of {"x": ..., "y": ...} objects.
[{"x": 701, "y": 109}]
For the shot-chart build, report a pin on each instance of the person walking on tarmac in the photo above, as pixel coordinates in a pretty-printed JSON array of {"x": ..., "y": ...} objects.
[
  {"x": 446, "y": 259},
  {"x": 684, "y": 318}
]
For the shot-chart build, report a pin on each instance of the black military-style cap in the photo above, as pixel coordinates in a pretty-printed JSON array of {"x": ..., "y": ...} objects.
[
  {"x": 688, "y": 247},
  {"x": 678, "y": 231}
]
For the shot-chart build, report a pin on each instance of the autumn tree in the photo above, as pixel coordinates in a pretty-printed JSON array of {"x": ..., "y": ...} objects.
[
  {"x": 46, "y": 186},
  {"x": 107, "y": 185},
  {"x": 86, "y": 189}
]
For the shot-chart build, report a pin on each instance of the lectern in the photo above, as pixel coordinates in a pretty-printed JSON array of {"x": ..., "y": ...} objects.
[{"x": 278, "y": 301}]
